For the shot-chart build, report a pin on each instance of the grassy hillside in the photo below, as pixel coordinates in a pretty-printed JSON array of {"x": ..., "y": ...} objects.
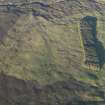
[{"x": 48, "y": 49}]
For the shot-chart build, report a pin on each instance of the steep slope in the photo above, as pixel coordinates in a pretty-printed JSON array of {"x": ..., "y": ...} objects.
[{"x": 42, "y": 42}]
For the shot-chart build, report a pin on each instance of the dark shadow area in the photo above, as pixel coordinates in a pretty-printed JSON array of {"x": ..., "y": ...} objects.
[
  {"x": 15, "y": 91},
  {"x": 101, "y": 53},
  {"x": 94, "y": 50},
  {"x": 40, "y": 3},
  {"x": 92, "y": 76}
]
